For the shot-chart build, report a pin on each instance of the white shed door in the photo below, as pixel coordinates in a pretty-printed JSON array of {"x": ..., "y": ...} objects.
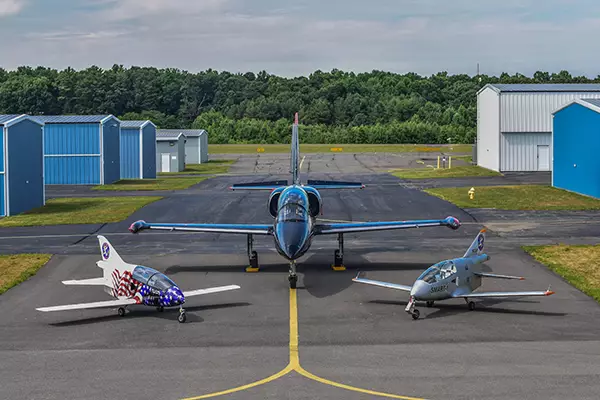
[
  {"x": 166, "y": 162},
  {"x": 543, "y": 157}
]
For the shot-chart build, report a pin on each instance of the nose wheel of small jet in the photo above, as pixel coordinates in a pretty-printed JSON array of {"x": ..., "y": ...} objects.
[
  {"x": 416, "y": 314},
  {"x": 181, "y": 317},
  {"x": 293, "y": 281}
]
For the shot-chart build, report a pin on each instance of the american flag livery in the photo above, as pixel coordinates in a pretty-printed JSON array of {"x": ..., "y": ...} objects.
[{"x": 125, "y": 286}]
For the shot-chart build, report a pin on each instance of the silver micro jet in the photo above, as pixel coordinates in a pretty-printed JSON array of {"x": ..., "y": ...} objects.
[{"x": 451, "y": 279}]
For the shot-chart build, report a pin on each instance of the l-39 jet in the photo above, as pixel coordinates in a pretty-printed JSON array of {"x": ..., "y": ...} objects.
[
  {"x": 295, "y": 208},
  {"x": 453, "y": 279}
]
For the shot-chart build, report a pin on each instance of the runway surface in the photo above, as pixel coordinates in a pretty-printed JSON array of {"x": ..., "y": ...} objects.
[{"x": 330, "y": 338}]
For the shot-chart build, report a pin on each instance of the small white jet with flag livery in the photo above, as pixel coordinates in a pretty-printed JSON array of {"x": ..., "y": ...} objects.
[{"x": 133, "y": 284}]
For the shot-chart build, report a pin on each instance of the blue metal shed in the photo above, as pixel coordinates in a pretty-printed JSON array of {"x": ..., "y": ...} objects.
[
  {"x": 81, "y": 149},
  {"x": 138, "y": 150},
  {"x": 576, "y": 144},
  {"x": 21, "y": 164}
]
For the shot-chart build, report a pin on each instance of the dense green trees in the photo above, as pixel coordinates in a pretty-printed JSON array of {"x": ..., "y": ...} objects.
[{"x": 335, "y": 107}]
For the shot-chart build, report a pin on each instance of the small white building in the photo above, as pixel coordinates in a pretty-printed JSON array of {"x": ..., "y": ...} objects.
[
  {"x": 514, "y": 123},
  {"x": 196, "y": 144}
]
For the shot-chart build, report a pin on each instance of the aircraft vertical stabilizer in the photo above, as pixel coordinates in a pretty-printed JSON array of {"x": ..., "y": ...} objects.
[
  {"x": 295, "y": 153},
  {"x": 476, "y": 248}
]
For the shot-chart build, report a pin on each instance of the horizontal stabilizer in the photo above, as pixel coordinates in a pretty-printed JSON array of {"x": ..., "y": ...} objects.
[
  {"x": 486, "y": 275},
  {"x": 210, "y": 290},
  {"x": 98, "y": 304},
  {"x": 270, "y": 185},
  {"x": 320, "y": 184},
  {"x": 90, "y": 282},
  {"x": 382, "y": 284}
]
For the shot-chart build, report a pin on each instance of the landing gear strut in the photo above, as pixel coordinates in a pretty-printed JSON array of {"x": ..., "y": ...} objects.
[
  {"x": 410, "y": 308},
  {"x": 338, "y": 260},
  {"x": 181, "y": 317},
  {"x": 252, "y": 256},
  {"x": 470, "y": 304},
  {"x": 293, "y": 278}
]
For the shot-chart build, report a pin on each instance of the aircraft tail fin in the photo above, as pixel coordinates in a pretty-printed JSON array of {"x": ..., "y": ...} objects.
[
  {"x": 295, "y": 153},
  {"x": 111, "y": 260},
  {"x": 476, "y": 247}
]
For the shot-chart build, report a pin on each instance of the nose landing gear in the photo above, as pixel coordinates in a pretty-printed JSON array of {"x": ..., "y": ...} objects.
[
  {"x": 181, "y": 317},
  {"x": 293, "y": 278},
  {"x": 410, "y": 308}
]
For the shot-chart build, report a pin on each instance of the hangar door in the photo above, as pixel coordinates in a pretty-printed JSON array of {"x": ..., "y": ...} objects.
[
  {"x": 131, "y": 148},
  {"x": 519, "y": 152}
]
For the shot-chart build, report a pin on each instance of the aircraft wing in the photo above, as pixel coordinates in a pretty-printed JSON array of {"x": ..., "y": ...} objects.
[
  {"x": 214, "y": 228},
  {"x": 381, "y": 284},
  {"x": 92, "y": 282},
  {"x": 486, "y": 275},
  {"x": 258, "y": 185},
  {"x": 210, "y": 290},
  {"x": 319, "y": 184},
  {"x": 506, "y": 294},
  {"x": 324, "y": 229},
  {"x": 98, "y": 304}
]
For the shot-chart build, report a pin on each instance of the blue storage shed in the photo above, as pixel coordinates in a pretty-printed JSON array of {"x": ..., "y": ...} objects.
[
  {"x": 138, "y": 150},
  {"x": 576, "y": 144},
  {"x": 81, "y": 149},
  {"x": 21, "y": 164}
]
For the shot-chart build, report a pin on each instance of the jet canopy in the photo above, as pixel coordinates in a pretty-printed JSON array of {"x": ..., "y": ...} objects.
[
  {"x": 438, "y": 272},
  {"x": 152, "y": 278}
]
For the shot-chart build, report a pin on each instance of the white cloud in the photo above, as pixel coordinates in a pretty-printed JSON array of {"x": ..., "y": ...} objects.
[{"x": 10, "y": 7}]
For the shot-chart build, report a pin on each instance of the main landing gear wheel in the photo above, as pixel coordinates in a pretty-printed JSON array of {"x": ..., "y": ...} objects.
[
  {"x": 121, "y": 311},
  {"x": 471, "y": 306},
  {"x": 430, "y": 303},
  {"x": 160, "y": 309},
  {"x": 338, "y": 258},
  {"x": 252, "y": 256},
  {"x": 416, "y": 314},
  {"x": 181, "y": 317}
]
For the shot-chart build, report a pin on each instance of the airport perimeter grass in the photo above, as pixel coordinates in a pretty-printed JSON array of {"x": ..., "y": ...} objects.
[
  {"x": 345, "y": 148},
  {"x": 578, "y": 264},
  {"x": 84, "y": 210},
  {"x": 152, "y": 184},
  {"x": 454, "y": 172},
  {"x": 17, "y": 268},
  {"x": 522, "y": 197},
  {"x": 210, "y": 167}
]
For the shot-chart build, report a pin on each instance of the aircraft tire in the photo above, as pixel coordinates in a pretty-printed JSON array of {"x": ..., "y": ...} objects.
[
  {"x": 430, "y": 303},
  {"x": 471, "y": 305},
  {"x": 293, "y": 280},
  {"x": 181, "y": 318},
  {"x": 121, "y": 311},
  {"x": 416, "y": 314}
]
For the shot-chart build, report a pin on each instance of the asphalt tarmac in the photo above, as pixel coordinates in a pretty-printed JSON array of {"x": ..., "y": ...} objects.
[{"x": 330, "y": 338}]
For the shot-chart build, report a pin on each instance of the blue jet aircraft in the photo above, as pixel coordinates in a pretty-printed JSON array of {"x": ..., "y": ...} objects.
[{"x": 295, "y": 209}]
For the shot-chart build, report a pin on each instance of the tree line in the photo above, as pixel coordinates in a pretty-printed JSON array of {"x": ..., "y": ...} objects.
[{"x": 334, "y": 107}]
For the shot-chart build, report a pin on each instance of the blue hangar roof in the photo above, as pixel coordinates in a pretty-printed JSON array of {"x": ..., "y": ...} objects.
[
  {"x": 73, "y": 119},
  {"x": 135, "y": 124},
  {"x": 11, "y": 118}
]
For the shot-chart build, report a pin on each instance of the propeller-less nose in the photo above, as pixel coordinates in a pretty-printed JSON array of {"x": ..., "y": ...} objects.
[
  {"x": 172, "y": 297},
  {"x": 419, "y": 290}
]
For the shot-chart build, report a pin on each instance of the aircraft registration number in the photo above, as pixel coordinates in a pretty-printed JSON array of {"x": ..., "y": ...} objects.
[{"x": 436, "y": 289}]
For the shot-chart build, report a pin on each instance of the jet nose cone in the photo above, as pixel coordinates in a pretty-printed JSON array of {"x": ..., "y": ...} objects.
[
  {"x": 419, "y": 289},
  {"x": 291, "y": 251},
  {"x": 173, "y": 297}
]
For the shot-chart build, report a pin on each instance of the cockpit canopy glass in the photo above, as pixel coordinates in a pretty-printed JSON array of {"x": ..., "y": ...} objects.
[
  {"x": 292, "y": 213},
  {"x": 431, "y": 275},
  {"x": 438, "y": 272},
  {"x": 152, "y": 278}
]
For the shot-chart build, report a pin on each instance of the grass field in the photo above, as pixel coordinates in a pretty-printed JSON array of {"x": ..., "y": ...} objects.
[
  {"x": 523, "y": 197},
  {"x": 345, "y": 148},
  {"x": 454, "y": 172},
  {"x": 152, "y": 184},
  {"x": 210, "y": 167},
  {"x": 17, "y": 268},
  {"x": 578, "y": 264},
  {"x": 88, "y": 210}
]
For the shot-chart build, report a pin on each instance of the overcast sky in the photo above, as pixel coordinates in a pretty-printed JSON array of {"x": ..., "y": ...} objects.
[{"x": 298, "y": 37}]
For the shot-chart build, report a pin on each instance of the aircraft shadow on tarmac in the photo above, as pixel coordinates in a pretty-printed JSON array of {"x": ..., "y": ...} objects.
[
  {"x": 449, "y": 309},
  {"x": 150, "y": 312},
  {"x": 317, "y": 277}
]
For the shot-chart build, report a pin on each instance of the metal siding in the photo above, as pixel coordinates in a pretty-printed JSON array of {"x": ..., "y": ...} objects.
[
  {"x": 69, "y": 170},
  {"x": 2, "y": 194},
  {"x": 111, "y": 151},
  {"x": 25, "y": 168},
  {"x": 192, "y": 150},
  {"x": 204, "y": 148},
  {"x": 130, "y": 153},
  {"x": 532, "y": 112},
  {"x": 149, "y": 152},
  {"x": 519, "y": 150},
  {"x": 181, "y": 154},
  {"x": 72, "y": 139},
  {"x": 2, "y": 149},
  {"x": 576, "y": 167},
  {"x": 488, "y": 129},
  {"x": 164, "y": 147}
]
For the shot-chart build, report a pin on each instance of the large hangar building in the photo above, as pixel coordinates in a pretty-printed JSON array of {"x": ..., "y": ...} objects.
[{"x": 514, "y": 123}]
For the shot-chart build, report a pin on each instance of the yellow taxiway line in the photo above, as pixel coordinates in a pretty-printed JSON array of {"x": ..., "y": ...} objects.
[{"x": 294, "y": 365}]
